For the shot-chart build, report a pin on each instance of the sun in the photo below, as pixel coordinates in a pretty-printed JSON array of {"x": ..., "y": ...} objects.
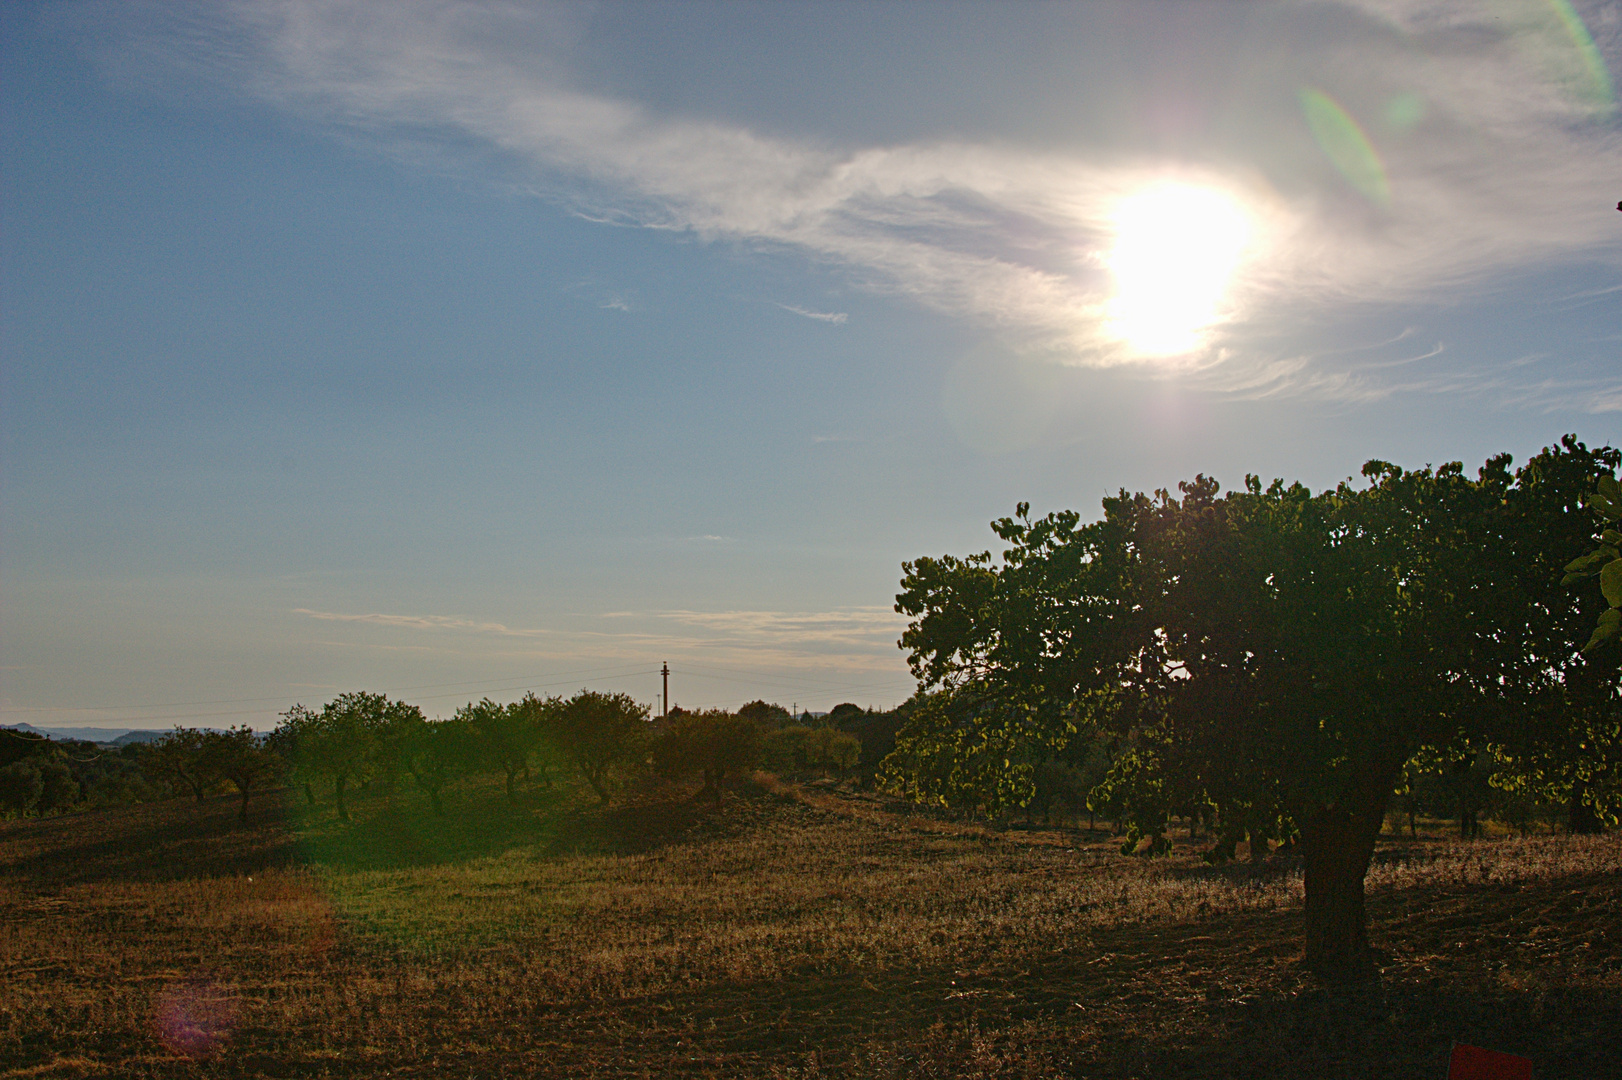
[{"x": 1176, "y": 247}]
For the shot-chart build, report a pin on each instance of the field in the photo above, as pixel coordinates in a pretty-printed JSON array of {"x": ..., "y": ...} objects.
[{"x": 795, "y": 932}]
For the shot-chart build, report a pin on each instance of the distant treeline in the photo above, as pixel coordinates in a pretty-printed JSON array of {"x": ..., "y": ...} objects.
[
  {"x": 360, "y": 739},
  {"x": 610, "y": 744}
]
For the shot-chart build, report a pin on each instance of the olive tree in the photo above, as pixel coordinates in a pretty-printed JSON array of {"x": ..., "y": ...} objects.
[{"x": 599, "y": 733}]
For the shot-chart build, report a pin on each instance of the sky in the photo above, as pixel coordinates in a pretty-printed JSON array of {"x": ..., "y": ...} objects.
[{"x": 465, "y": 349}]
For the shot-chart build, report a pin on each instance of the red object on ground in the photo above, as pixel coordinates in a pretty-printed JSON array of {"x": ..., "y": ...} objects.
[{"x": 1474, "y": 1063}]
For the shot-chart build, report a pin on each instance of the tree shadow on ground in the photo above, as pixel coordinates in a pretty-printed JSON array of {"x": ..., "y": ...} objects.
[
  {"x": 480, "y": 822},
  {"x": 165, "y": 841},
  {"x": 1225, "y": 998}
]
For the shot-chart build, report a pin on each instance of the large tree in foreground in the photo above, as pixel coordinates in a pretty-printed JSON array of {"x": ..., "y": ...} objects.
[{"x": 1276, "y": 654}]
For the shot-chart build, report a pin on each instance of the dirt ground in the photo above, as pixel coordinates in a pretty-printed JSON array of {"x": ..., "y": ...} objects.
[{"x": 794, "y": 932}]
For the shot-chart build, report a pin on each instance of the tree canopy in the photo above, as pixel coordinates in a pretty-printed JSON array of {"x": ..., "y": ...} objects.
[{"x": 1275, "y": 654}]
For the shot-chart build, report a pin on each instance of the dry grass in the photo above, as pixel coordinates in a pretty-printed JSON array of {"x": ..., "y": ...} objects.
[{"x": 797, "y": 933}]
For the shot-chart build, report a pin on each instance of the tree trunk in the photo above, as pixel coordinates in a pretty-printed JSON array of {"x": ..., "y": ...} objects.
[
  {"x": 1258, "y": 850},
  {"x": 1580, "y": 817},
  {"x": 1337, "y": 844},
  {"x": 338, "y": 789},
  {"x": 309, "y": 792},
  {"x": 246, "y": 790}
]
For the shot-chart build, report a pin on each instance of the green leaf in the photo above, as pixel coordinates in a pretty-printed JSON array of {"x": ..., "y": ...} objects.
[
  {"x": 1609, "y": 626},
  {"x": 1607, "y": 503},
  {"x": 1586, "y": 563},
  {"x": 1612, "y": 537},
  {"x": 1610, "y": 582}
]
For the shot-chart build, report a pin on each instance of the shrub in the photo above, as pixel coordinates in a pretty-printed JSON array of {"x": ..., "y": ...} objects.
[
  {"x": 783, "y": 750},
  {"x": 20, "y": 787},
  {"x": 798, "y": 748}
]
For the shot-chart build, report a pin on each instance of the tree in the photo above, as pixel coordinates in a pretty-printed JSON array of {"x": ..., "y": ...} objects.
[
  {"x": 844, "y": 712},
  {"x": 599, "y": 733},
  {"x": 830, "y": 748},
  {"x": 1276, "y": 654},
  {"x": 34, "y": 774},
  {"x": 290, "y": 742},
  {"x": 1605, "y": 561},
  {"x": 1571, "y": 751},
  {"x": 20, "y": 786},
  {"x": 353, "y": 738},
  {"x": 506, "y": 735},
  {"x": 180, "y": 759},
  {"x": 714, "y": 743},
  {"x": 764, "y": 715},
  {"x": 434, "y": 750},
  {"x": 239, "y": 757}
]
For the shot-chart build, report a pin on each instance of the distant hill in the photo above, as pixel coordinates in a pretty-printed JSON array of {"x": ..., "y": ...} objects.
[
  {"x": 138, "y": 736},
  {"x": 118, "y": 736}
]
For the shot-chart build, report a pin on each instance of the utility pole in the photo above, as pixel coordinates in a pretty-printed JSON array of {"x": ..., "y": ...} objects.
[{"x": 665, "y": 671}]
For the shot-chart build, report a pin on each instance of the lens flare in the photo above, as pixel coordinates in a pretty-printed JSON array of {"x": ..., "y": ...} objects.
[
  {"x": 195, "y": 1018},
  {"x": 1176, "y": 247},
  {"x": 1347, "y": 148},
  {"x": 1594, "y": 82}
]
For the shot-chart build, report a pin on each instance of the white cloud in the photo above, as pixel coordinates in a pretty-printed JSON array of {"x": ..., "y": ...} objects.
[
  {"x": 858, "y": 639},
  {"x": 419, "y": 622},
  {"x": 836, "y": 317},
  {"x": 1499, "y": 158}
]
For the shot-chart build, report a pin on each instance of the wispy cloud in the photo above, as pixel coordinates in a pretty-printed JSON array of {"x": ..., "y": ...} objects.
[
  {"x": 852, "y": 639},
  {"x": 836, "y": 317},
  {"x": 420, "y": 622},
  {"x": 1493, "y": 148}
]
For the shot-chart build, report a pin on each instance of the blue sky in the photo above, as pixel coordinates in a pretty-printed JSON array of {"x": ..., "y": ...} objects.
[{"x": 452, "y": 349}]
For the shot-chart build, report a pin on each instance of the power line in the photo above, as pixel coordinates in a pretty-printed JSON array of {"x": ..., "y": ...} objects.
[{"x": 820, "y": 684}]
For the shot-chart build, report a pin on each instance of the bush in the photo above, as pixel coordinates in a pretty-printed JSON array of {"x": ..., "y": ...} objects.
[
  {"x": 20, "y": 787},
  {"x": 783, "y": 750},
  {"x": 60, "y": 789},
  {"x": 799, "y": 748},
  {"x": 830, "y": 748}
]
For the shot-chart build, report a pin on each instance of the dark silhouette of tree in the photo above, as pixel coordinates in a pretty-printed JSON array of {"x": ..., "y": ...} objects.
[
  {"x": 600, "y": 732},
  {"x": 21, "y": 786},
  {"x": 765, "y": 715},
  {"x": 505, "y": 736},
  {"x": 714, "y": 743},
  {"x": 1275, "y": 654},
  {"x": 352, "y": 739},
  {"x": 239, "y": 757},
  {"x": 433, "y": 752},
  {"x": 180, "y": 759},
  {"x": 289, "y": 741}
]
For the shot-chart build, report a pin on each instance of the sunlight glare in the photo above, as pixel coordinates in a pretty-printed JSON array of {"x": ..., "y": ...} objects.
[{"x": 1176, "y": 246}]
